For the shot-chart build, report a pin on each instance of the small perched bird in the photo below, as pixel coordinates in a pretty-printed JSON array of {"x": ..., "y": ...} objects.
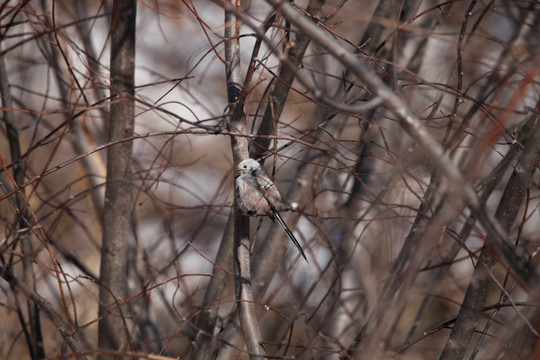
[{"x": 257, "y": 195}]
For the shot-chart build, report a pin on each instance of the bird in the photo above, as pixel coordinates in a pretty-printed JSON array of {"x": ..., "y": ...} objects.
[{"x": 257, "y": 195}]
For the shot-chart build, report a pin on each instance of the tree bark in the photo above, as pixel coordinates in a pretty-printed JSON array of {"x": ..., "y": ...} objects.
[{"x": 118, "y": 194}]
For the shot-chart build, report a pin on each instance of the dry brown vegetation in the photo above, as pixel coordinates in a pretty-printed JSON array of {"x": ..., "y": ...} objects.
[{"x": 406, "y": 131}]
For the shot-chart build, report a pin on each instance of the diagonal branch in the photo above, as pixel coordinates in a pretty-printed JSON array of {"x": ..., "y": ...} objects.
[
  {"x": 460, "y": 187},
  {"x": 481, "y": 282},
  {"x": 70, "y": 338}
]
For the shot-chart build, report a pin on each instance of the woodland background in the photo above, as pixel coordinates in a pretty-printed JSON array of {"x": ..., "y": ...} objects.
[{"x": 412, "y": 159}]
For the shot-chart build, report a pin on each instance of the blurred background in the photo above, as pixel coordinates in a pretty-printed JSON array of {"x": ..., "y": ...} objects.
[{"x": 366, "y": 191}]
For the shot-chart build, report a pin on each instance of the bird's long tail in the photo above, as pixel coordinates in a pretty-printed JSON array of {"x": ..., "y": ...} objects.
[{"x": 290, "y": 234}]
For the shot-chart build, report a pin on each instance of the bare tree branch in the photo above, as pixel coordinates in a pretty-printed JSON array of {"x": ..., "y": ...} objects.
[
  {"x": 242, "y": 243},
  {"x": 206, "y": 346},
  {"x": 399, "y": 129},
  {"x": 34, "y": 336},
  {"x": 118, "y": 206},
  {"x": 481, "y": 282},
  {"x": 414, "y": 128},
  {"x": 70, "y": 338}
]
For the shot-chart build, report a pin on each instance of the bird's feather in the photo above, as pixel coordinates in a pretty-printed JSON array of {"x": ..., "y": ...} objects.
[{"x": 290, "y": 234}]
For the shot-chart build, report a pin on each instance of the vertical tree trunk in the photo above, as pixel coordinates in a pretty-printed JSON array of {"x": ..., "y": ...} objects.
[
  {"x": 244, "y": 294},
  {"x": 117, "y": 210}
]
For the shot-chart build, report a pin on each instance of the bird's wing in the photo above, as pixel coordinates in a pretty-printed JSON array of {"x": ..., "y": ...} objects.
[{"x": 270, "y": 192}]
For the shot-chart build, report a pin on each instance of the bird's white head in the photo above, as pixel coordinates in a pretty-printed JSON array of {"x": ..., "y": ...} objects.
[{"x": 248, "y": 166}]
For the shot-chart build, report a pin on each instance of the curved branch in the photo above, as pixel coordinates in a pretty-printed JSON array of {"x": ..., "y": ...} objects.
[
  {"x": 71, "y": 339},
  {"x": 460, "y": 187}
]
